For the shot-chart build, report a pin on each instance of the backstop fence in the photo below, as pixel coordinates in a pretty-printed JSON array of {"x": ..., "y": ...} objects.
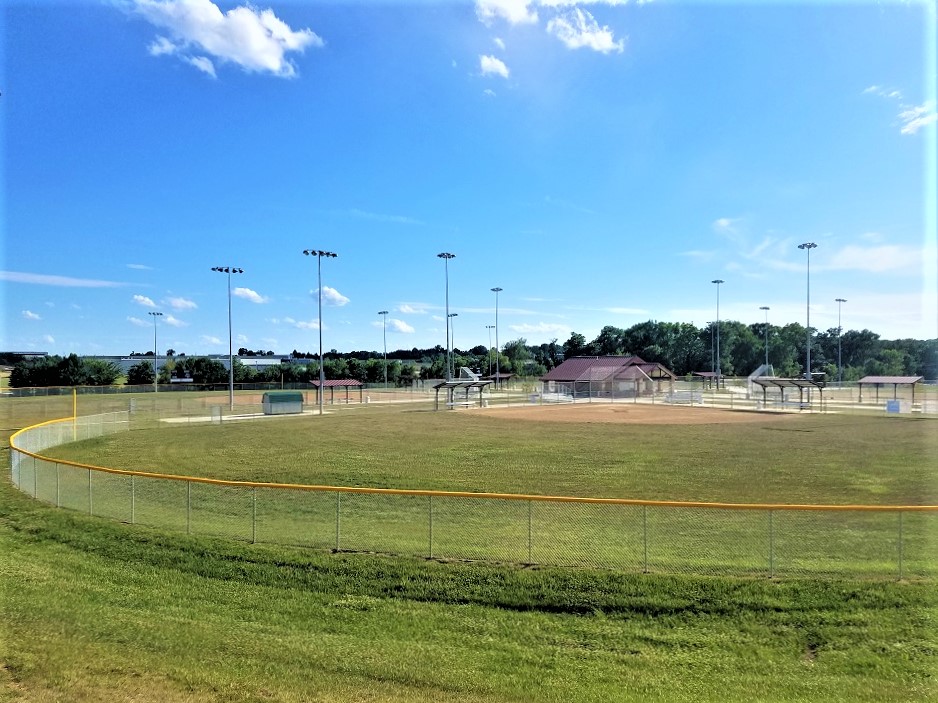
[{"x": 884, "y": 542}]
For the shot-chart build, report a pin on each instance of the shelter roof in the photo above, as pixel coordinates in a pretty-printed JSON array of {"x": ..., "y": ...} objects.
[
  {"x": 462, "y": 383},
  {"x": 898, "y": 380},
  {"x": 337, "y": 383},
  {"x": 583, "y": 367},
  {"x": 773, "y": 382}
]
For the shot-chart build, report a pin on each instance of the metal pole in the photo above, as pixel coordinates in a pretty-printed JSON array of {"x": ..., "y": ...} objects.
[
  {"x": 490, "y": 328},
  {"x": 384, "y": 331},
  {"x": 900, "y": 546},
  {"x": 766, "y": 308},
  {"x": 452, "y": 337},
  {"x": 530, "y": 511},
  {"x": 840, "y": 367},
  {"x": 645, "y": 537},
  {"x": 188, "y": 507},
  {"x": 446, "y": 256},
  {"x": 718, "y": 281},
  {"x": 253, "y": 514},
  {"x": 338, "y": 510},
  {"x": 228, "y": 270},
  {"x": 808, "y": 246},
  {"x": 771, "y": 547},
  {"x": 156, "y": 353},
  {"x": 133, "y": 501},
  {"x": 90, "y": 500},
  {"x": 430, "y": 510},
  {"x": 318, "y": 253},
  {"x": 496, "y": 291}
]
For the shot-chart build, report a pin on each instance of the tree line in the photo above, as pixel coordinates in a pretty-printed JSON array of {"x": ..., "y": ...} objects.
[{"x": 681, "y": 347}]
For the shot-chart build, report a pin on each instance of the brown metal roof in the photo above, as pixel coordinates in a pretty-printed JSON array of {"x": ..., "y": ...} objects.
[
  {"x": 890, "y": 380},
  {"x": 582, "y": 368},
  {"x": 337, "y": 383}
]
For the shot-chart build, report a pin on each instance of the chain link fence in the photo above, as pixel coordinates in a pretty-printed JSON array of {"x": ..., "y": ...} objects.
[{"x": 885, "y": 542}]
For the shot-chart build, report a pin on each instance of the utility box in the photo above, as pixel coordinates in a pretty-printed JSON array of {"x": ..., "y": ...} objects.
[{"x": 283, "y": 402}]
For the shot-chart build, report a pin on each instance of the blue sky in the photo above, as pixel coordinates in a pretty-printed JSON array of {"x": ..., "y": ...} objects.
[{"x": 602, "y": 162}]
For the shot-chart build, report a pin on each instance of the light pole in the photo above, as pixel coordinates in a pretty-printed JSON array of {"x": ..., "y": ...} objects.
[
  {"x": 446, "y": 256},
  {"x": 319, "y": 254},
  {"x": 156, "y": 354},
  {"x": 718, "y": 281},
  {"x": 452, "y": 336},
  {"x": 384, "y": 333},
  {"x": 496, "y": 291},
  {"x": 840, "y": 368},
  {"x": 228, "y": 270},
  {"x": 808, "y": 246},
  {"x": 766, "y": 308},
  {"x": 490, "y": 328}
]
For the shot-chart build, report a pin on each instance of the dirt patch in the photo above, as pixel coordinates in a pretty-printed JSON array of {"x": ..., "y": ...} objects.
[{"x": 634, "y": 414}]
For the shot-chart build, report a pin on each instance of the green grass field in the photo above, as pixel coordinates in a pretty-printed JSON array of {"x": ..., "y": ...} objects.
[{"x": 95, "y": 610}]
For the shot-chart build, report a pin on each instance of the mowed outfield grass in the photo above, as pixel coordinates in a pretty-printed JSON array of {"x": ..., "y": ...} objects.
[
  {"x": 94, "y": 610},
  {"x": 835, "y": 459}
]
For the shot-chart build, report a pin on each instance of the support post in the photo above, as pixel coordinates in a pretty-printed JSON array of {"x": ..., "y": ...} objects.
[
  {"x": 253, "y": 514},
  {"x": 530, "y": 520},
  {"x": 771, "y": 547},
  {"x": 645, "y": 537},
  {"x": 133, "y": 501},
  {"x": 188, "y": 507},
  {"x": 901, "y": 545},
  {"x": 430, "y": 512},
  {"x": 90, "y": 499},
  {"x": 338, "y": 510}
]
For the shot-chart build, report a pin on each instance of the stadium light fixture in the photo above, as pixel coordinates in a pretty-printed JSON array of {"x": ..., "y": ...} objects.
[
  {"x": 156, "y": 353},
  {"x": 228, "y": 270},
  {"x": 318, "y": 253}
]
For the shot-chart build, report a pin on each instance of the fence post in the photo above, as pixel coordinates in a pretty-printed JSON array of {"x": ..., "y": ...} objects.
[
  {"x": 338, "y": 508},
  {"x": 771, "y": 547},
  {"x": 188, "y": 507},
  {"x": 90, "y": 500},
  {"x": 253, "y": 514},
  {"x": 35, "y": 480},
  {"x": 58, "y": 499},
  {"x": 900, "y": 546},
  {"x": 530, "y": 510},
  {"x": 645, "y": 537},
  {"x": 430, "y": 511},
  {"x": 133, "y": 501}
]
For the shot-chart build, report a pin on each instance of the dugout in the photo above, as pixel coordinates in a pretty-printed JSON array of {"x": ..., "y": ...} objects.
[{"x": 282, "y": 402}]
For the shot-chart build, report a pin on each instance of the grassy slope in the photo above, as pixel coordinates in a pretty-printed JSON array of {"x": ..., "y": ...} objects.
[{"x": 91, "y": 610}]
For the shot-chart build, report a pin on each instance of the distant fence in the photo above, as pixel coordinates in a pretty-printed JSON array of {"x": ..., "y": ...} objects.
[{"x": 628, "y": 535}]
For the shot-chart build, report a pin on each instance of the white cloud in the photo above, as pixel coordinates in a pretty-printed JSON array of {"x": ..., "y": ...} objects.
[
  {"x": 303, "y": 325},
  {"x": 548, "y": 328},
  {"x": 914, "y": 118},
  {"x": 144, "y": 301},
  {"x": 241, "y": 339},
  {"x": 137, "y": 321},
  {"x": 30, "y": 315},
  {"x": 65, "y": 281},
  {"x": 181, "y": 304},
  {"x": 174, "y": 322},
  {"x": 409, "y": 309},
  {"x": 730, "y": 228},
  {"x": 877, "y": 259},
  {"x": 249, "y": 294},
  {"x": 140, "y": 267},
  {"x": 489, "y": 93},
  {"x": 400, "y": 326},
  {"x": 333, "y": 297},
  {"x": 256, "y": 40},
  {"x": 203, "y": 63},
  {"x": 499, "y": 43},
  {"x": 579, "y": 29},
  {"x": 512, "y": 11},
  {"x": 490, "y": 64},
  {"x": 48, "y": 339},
  {"x": 208, "y": 339}
]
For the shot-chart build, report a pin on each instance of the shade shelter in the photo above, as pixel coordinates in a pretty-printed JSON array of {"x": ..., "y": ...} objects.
[
  {"x": 468, "y": 386},
  {"x": 345, "y": 383},
  {"x": 894, "y": 381},
  {"x": 783, "y": 384},
  {"x": 606, "y": 376}
]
